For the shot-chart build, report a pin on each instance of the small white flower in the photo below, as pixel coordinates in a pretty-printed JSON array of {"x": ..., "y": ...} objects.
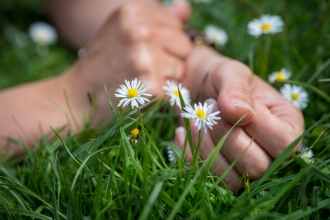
[
  {"x": 81, "y": 52},
  {"x": 43, "y": 33},
  {"x": 172, "y": 90},
  {"x": 266, "y": 24},
  {"x": 132, "y": 93},
  {"x": 295, "y": 94},
  {"x": 279, "y": 75},
  {"x": 202, "y": 114},
  {"x": 216, "y": 35},
  {"x": 307, "y": 156},
  {"x": 170, "y": 155}
]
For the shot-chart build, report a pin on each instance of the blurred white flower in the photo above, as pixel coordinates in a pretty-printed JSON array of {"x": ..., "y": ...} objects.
[
  {"x": 170, "y": 155},
  {"x": 202, "y": 114},
  {"x": 266, "y": 24},
  {"x": 295, "y": 94},
  {"x": 216, "y": 35},
  {"x": 132, "y": 93},
  {"x": 172, "y": 90},
  {"x": 307, "y": 156},
  {"x": 81, "y": 52},
  {"x": 279, "y": 75},
  {"x": 42, "y": 33}
]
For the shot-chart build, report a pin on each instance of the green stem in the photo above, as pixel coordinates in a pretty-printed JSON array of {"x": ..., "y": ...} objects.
[{"x": 265, "y": 60}]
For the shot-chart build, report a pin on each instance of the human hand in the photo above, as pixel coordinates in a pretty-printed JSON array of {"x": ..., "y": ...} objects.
[
  {"x": 272, "y": 122},
  {"x": 139, "y": 40}
]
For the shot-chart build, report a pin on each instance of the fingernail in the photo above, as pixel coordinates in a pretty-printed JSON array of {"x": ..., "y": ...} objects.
[
  {"x": 241, "y": 104},
  {"x": 180, "y": 135},
  {"x": 212, "y": 102}
]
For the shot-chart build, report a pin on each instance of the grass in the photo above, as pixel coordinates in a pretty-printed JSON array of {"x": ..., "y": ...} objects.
[{"x": 103, "y": 173}]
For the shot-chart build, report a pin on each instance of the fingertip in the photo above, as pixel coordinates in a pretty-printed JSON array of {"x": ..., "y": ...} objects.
[
  {"x": 233, "y": 109},
  {"x": 180, "y": 135},
  {"x": 181, "y": 10}
]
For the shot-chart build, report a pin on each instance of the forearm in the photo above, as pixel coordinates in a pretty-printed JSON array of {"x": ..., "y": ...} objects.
[
  {"x": 78, "y": 21},
  {"x": 30, "y": 110}
]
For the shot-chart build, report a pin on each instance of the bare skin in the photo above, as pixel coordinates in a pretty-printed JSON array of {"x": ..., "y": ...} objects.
[
  {"x": 272, "y": 121},
  {"x": 136, "y": 42}
]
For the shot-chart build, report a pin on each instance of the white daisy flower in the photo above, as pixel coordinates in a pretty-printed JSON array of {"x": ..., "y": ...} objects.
[
  {"x": 295, "y": 94},
  {"x": 172, "y": 90},
  {"x": 279, "y": 75},
  {"x": 307, "y": 156},
  {"x": 132, "y": 93},
  {"x": 216, "y": 35},
  {"x": 43, "y": 33},
  {"x": 202, "y": 114},
  {"x": 266, "y": 24},
  {"x": 170, "y": 155}
]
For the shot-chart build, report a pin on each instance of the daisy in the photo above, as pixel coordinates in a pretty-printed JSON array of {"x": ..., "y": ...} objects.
[
  {"x": 132, "y": 93},
  {"x": 202, "y": 114},
  {"x": 280, "y": 75},
  {"x": 43, "y": 33},
  {"x": 216, "y": 35},
  {"x": 295, "y": 94},
  {"x": 266, "y": 24},
  {"x": 172, "y": 90},
  {"x": 170, "y": 155},
  {"x": 307, "y": 156}
]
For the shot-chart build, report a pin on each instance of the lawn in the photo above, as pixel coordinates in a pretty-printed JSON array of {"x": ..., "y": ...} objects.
[{"x": 108, "y": 173}]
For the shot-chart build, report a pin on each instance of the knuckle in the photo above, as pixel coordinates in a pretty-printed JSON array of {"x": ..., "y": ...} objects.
[
  {"x": 138, "y": 33},
  {"x": 142, "y": 60},
  {"x": 130, "y": 11}
]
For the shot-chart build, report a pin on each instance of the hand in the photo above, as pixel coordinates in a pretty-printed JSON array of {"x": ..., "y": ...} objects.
[
  {"x": 272, "y": 122},
  {"x": 139, "y": 40}
]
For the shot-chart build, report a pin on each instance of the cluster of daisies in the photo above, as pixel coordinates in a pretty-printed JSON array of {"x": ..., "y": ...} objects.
[
  {"x": 273, "y": 24},
  {"x": 133, "y": 93}
]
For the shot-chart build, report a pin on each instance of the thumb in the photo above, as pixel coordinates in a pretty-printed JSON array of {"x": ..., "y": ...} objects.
[
  {"x": 180, "y": 10},
  {"x": 232, "y": 82}
]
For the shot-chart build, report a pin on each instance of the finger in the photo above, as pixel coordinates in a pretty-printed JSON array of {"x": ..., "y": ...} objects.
[
  {"x": 180, "y": 10},
  {"x": 220, "y": 165},
  {"x": 254, "y": 160},
  {"x": 152, "y": 61},
  {"x": 176, "y": 42},
  {"x": 137, "y": 13},
  {"x": 275, "y": 132},
  {"x": 179, "y": 141},
  {"x": 232, "y": 82}
]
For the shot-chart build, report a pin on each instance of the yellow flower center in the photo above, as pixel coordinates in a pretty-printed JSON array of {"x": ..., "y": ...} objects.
[
  {"x": 131, "y": 93},
  {"x": 295, "y": 96},
  {"x": 41, "y": 38},
  {"x": 176, "y": 93},
  {"x": 200, "y": 113},
  {"x": 305, "y": 158},
  {"x": 280, "y": 76},
  {"x": 135, "y": 132},
  {"x": 265, "y": 27}
]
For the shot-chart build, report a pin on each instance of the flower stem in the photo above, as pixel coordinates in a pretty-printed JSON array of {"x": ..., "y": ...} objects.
[
  {"x": 196, "y": 153},
  {"x": 265, "y": 60}
]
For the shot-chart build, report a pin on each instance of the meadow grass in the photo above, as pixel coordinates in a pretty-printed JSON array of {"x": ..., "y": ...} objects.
[{"x": 104, "y": 173}]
